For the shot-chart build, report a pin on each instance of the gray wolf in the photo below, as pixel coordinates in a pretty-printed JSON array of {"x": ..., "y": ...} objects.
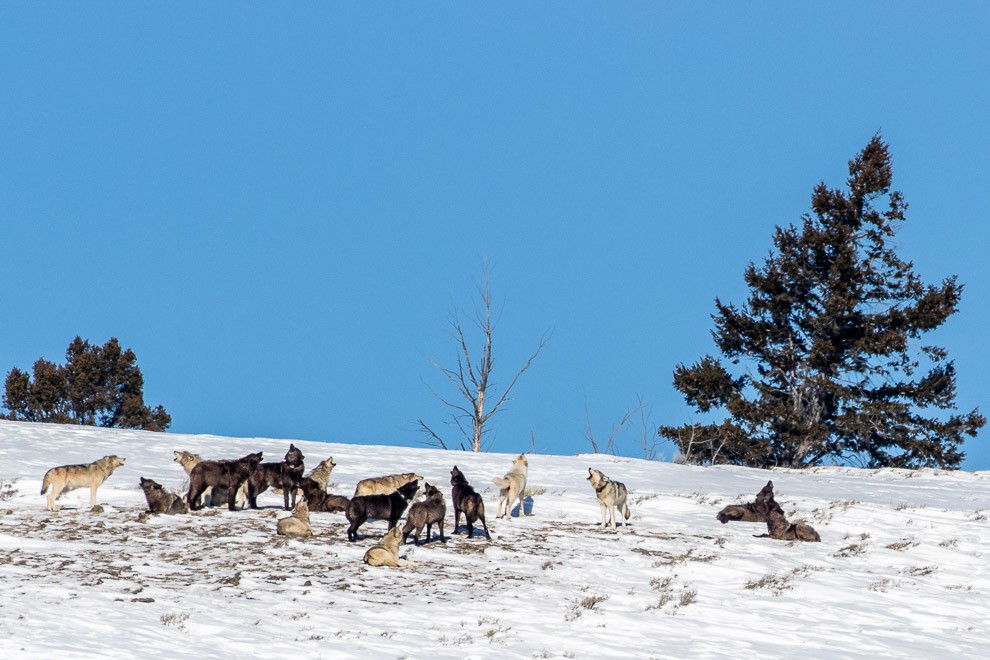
[
  {"x": 88, "y": 475},
  {"x": 757, "y": 511},
  {"x": 427, "y": 512},
  {"x": 298, "y": 523},
  {"x": 321, "y": 473},
  {"x": 211, "y": 496},
  {"x": 386, "y": 553},
  {"x": 384, "y": 485},
  {"x": 224, "y": 474},
  {"x": 467, "y": 501},
  {"x": 384, "y": 507},
  {"x": 318, "y": 499},
  {"x": 284, "y": 475},
  {"x": 780, "y": 529},
  {"x": 612, "y": 495},
  {"x": 160, "y": 500},
  {"x": 512, "y": 487}
]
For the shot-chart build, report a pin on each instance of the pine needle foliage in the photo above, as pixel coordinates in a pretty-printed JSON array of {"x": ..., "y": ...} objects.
[{"x": 823, "y": 362}]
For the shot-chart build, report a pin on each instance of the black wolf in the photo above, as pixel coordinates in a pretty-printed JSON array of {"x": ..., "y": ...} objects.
[
  {"x": 428, "y": 512},
  {"x": 285, "y": 475},
  {"x": 758, "y": 511},
  {"x": 160, "y": 500},
  {"x": 468, "y": 501},
  {"x": 319, "y": 500},
  {"x": 384, "y": 507},
  {"x": 223, "y": 474}
]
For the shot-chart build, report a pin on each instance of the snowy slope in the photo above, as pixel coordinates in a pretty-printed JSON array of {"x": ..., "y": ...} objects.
[{"x": 900, "y": 571}]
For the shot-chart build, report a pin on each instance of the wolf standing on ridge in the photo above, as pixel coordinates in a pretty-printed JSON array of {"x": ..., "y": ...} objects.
[
  {"x": 512, "y": 487},
  {"x": 87, "y": 475},
  {"x": 611, "y": 494}
]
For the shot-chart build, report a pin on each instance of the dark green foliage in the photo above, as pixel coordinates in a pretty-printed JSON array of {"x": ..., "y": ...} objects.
[
  {"x": 826, "y": 346},
  {"x": 97, "y": 386}
]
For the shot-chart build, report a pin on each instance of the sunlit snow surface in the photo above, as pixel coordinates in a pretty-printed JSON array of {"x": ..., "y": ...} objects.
[{"x": 900, "y": 571}]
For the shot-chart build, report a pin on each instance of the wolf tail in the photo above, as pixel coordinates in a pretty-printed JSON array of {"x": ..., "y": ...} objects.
[
  {"x": 501, "y": 482},
  {"x": 626, "y": 512},
  {"x": 46, "y": 482}
]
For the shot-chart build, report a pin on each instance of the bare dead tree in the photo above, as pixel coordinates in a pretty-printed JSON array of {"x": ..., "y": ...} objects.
[
  {"x": 650, "y": 438},
  {"x": 472, "y": 409},
  {"x": 610, "y": 447}
]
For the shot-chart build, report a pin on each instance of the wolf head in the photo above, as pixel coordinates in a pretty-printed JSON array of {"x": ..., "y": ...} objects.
[
  {"x": 520, "y": 460},
  {"x": 113, "y": 462},
  {"x": 596, "y": 478},
  {"x": 294, "y": 457},
  {"x": 253, "y": 459},
  {"x": 149, "y": 485},
  {"x": 408, "y": 490},
  {"x": 457, "y": 477},
  {"x": 431, "y": 491},
  {"x": 184, "y": 458}
]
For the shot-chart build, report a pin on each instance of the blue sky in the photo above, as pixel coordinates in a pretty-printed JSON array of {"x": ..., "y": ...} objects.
[{"x": 277, "y": 206}]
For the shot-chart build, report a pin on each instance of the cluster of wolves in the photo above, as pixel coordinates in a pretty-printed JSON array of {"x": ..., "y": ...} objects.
[{"x": 238, "y": 483}]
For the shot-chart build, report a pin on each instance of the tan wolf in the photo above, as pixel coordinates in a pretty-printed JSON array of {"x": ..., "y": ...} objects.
[
  {"x": 386, "y": 553},
  {"x": 384, "y": 485},
  {"x": 298, "y": 523},
  {"x": 67, "y": 477},
  {"x": 512, "y": 487},
  {"x": 612, "y": 495}
]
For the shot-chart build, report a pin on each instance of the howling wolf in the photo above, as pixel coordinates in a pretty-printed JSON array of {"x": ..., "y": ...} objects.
[
  {"x": 611, "y": 495},
  {"x": 88, "y": 475},
  {"x": 512, "y": 487},
  {"x": 467, "y": 501},
  {"x": 284, "y": 475}
]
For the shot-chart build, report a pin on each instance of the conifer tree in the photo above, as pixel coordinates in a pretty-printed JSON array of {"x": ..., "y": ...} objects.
[
  {"x": 98, "y": 385},
  {"x": 823, "y": 359}
]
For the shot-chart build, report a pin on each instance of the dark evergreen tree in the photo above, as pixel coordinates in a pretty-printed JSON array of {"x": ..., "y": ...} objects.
[
  {"x": 825, "y": 349},
  {"x": 98, "y": 385}
]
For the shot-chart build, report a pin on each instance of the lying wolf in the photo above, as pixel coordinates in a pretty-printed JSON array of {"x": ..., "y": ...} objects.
[
  {"x": 298, "y": 523},
  {"x": 88, "y": 475},
  {"x": 427, "y": 512},
  {"x": 467, "y": 501},
  {"x": 757, "y": 511},
  {"x": 611, "y": 494},
  {"x": 384, "y": 507},
  {"x": 319, "y": 500},
  {"x": 224, "y": 474},
  {"x": 780, "y": 529},
  {"x": 512, "y": 487},
  {"x": 386, "y": 553},
  {"x": 160, "y": 500},
  {"x": 283, "y": 475},
  {"x": 211, "y": 496},
  {"x": 384, "y": 485}
]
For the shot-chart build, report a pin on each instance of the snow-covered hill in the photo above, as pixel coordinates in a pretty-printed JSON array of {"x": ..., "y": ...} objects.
[{"x": 900, "y": 571}]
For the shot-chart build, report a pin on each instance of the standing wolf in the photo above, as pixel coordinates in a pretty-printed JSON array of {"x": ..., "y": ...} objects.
[
  {"x": 383, "y": 507},
  {"x": 67, "y": 477},
  {"x": 467, "y": 501},
  {"x": 611, "y": 496},
  {"x": 224, "y": 474},
  {"x": 211, "y": 496},
  {"x": 430, "y": 511},
  {"x": 284, "y": 475},
  {"x": 512, "y": 487}
]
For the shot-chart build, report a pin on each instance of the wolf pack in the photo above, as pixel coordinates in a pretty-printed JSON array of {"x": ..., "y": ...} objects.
[{"x": 238, "y": 483}]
